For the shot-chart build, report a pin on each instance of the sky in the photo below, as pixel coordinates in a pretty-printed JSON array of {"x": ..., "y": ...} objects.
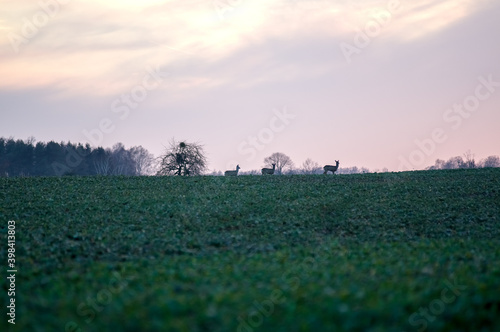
[{"x": 377, "y": 84}]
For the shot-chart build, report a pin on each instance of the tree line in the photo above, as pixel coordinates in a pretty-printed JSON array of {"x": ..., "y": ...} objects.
[
  {"x": 31, "y": 158},
  {"x": 467, "y": 161}
]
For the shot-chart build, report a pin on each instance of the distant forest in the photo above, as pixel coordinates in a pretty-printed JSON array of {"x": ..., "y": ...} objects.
[
  {"x": 467, "y": 161},
  {"x": 27, "y": 158},
  {"x": 31, "y": 158}
]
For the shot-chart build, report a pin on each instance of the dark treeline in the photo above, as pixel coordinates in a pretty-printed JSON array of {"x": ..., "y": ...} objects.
[{"x": 31, "y": 158}]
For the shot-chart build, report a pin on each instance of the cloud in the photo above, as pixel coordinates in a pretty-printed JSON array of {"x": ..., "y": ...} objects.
[
  {"x": 97, "y": 48},
  {"x": 422, "y": 18}
]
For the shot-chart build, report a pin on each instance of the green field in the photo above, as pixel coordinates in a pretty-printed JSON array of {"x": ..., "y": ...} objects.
[{"x": 409, "y": 251}]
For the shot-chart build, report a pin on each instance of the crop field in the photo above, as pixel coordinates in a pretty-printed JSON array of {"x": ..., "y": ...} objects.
[{"x": 410, "y": 251}]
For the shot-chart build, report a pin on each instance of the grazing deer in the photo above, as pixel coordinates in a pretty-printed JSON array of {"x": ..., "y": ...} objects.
[
  {"x": 331, "y": 168},
  {"x": 269, "y": 170},
  {"x": 232, "y": 173}
]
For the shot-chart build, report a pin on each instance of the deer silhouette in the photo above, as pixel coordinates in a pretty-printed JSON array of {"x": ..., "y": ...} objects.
[
  {"x": 330, "y": 168},
  {"x": 232, "y": 173},
  {"x": 268, "y": 170}
]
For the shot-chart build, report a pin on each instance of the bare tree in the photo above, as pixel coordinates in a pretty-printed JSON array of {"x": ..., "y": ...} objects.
[
  {"x": 101, "y": 161},
  {"x": 491, "y": 161},
  {"x": 310, "y": 167},
  {"x": 282, "y": 161},
  {"x": 121, "y": 161},
  {"x": 469, "y": 161},
  {"x": 439, "y": 164},
  {"x": 183, "y": 159},
  {"x": 453, "y": 162},
  {"x": 143, "y": 160},
  {"x": 101, "y": 167}
]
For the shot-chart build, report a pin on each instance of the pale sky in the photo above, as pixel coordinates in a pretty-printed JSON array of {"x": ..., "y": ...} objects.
[{"x": 395, "y": 84}]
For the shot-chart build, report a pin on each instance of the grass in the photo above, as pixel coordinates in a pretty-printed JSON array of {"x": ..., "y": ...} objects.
[{"x": 408, "y": 251}]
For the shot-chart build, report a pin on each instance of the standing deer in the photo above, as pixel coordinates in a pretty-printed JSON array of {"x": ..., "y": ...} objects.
[
  {"x": 269, "y": 170},
  {"x": 232, "y": 173},
  {"x": 331, "y": 168}
]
